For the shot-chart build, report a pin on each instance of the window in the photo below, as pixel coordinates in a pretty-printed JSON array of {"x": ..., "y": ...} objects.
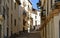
[
  {"x": 15, "y": 5},
  {"x": 36, "y": 23},
  {"x": 24, "y": 13},
  {"x": 11, "y": 19},
  {"x": 24, "y": 4},
  {"x": 15, "y": 22},
  {"x": 11, "y": 24},
  {"x": 7, "y": 13},
  {"x": 4, "y": 2},
  {"x": 0, "y": 9},
  {"x": 59, "y": 29},
  {"x": 7, "y": 31},
  {"x": 35, "y": 17},
  {"x": 47, "y": 7},
  {"x": 28, "y": 6},
  {"x": 0, "y": 1},
  {"x": 11, "y": 4},
  {"x": 0, "y": 30},
  {"x": 3, "y": 12},
  {"x": 51, "y": 3},
  {"x": 45, "y": 31},
  {"x": 44, "y": 12},
  {"x": 52, "y": 6},
  {"x": 24, "y": 22}
]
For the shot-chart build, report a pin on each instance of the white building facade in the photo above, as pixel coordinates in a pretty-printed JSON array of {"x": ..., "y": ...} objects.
[
  {"x": 36, "y": 19},
  {"x": 26, "y": 7}
]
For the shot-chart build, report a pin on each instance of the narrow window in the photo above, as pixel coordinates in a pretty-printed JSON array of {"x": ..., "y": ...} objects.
[
  {"x": 36, "y": 23},
  {"x": 51, "y": 3},
  {"x": 15, "y": 22},
  {"x": 11, "y": 4},
  {"x": 35, "y": 17},
  {"x": 0, "y": 1},
  {"x": 15, "y": 5},
  {"x": 59, "y": 29}
]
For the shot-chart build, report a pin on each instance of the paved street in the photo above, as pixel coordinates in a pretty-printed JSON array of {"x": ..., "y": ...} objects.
[{"x": 29, "y": 35}]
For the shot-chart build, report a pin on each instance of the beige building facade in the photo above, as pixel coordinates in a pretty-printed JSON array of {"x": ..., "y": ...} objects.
[
  {"x": 10, "y": 12},
  {"x": 51, "y": 28}
]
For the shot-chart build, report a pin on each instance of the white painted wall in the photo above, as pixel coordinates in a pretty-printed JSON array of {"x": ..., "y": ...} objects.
[
  {"x": 38, "y": 19},
  {"x": 21, "y": 3},
  {"x": 26, "y": 2},
  {"x": 33, "y": 16},
  {"x": 56, "y": 26}
]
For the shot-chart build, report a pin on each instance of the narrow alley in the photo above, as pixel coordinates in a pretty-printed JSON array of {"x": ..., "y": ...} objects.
[{"x": 29, "y": 18}]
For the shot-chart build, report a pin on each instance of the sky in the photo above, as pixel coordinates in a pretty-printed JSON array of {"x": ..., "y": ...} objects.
[{"x": 34, "y": 3}]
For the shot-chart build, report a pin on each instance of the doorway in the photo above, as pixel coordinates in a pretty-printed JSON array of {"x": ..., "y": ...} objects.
[
  {"x": 0, "y": 30},
  {"x": 59, "y": 28},
  {"x": 7, "y": 32}
]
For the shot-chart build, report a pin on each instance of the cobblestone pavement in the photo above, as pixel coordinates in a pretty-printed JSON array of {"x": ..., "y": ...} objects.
[{"x": 29, "y": 35}]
